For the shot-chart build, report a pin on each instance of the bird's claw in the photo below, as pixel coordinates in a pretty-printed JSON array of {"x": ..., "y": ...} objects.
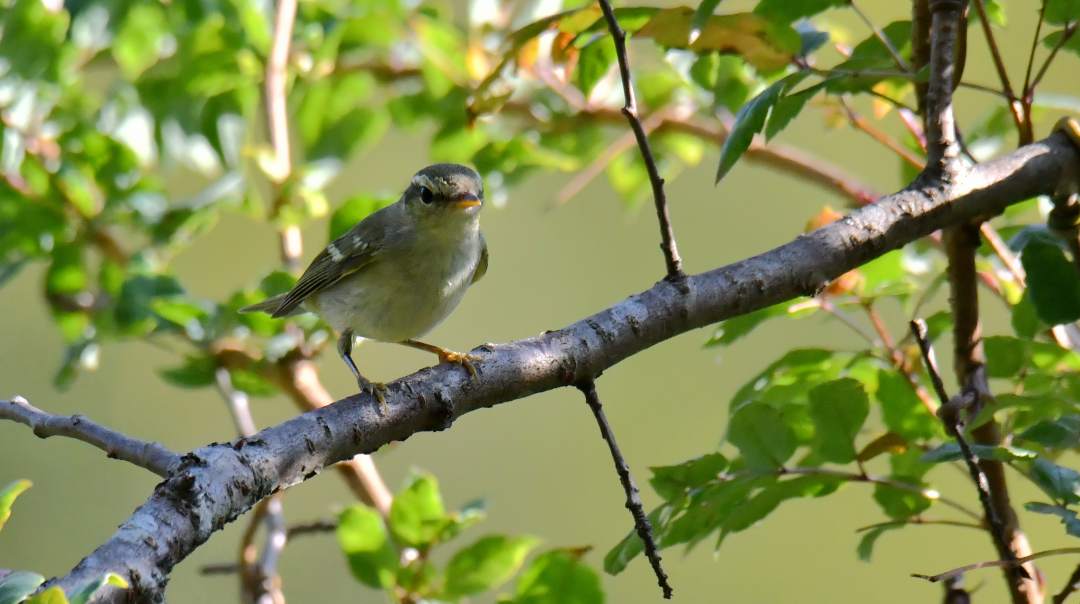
[
  {"x": 376, "y": 389},
  {"x": 461, "y": 358}
]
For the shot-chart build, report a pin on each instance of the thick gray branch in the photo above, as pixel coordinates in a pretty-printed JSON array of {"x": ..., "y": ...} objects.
[
  {"x": 217, "y": 483},
  {"x": 149, "y": 455}
]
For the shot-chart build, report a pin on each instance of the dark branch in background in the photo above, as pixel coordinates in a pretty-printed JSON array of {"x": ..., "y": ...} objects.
[
  {"x": 1020, "y": 113},
  {"x": 633, "y": 501},
  {"x": 667, "y": 235},
  {"x": 951, "y": 413},
  {"x": 955, "y": 592},
  {"x": 1064, "y": 220},
  {"x": 1070, "y": 587},
  {"x": 216, "y": 483},
  {"x": 1066, "y": 33},
  {"x": 149, "y": 455},
  {"x": 961, "y": 243}
]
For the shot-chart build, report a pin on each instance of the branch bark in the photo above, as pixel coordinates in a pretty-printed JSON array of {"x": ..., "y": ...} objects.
[
  {"x": 216, "y": 483},
  {"x": 149, "y": 455}
]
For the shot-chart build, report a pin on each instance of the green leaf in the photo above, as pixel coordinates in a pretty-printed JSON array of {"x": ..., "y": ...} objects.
[
  {"x": 701, "y": 17},
  {"x": 558, "y": 577},
  {"x": 908, "y": 468},
  {"x": 872, "y": 55},
  {"x": 1061, "y": 433},
  {"x": 196, "y": 372},
  {"x": 16, "y": 585},
  {"x": 1053, "y": 282},
  {"x": 762, "y": 436},
  {"x": 756, "y": 508},
  {"x": 417, "y": 515},
  {"x": 731, "y": 330},
  {"x": 139, "y": 41},
  {"x": 902, "y": 411},
  {"x": 1005, "y": 356},
  {"x": 748, "y": 122},
  {"x": 111, "y": 579},
  {"x": 1061, "y": 483},
  {"x": 133, "y": 312},
  {"x": 672, "y": 481},
  {"x": 865, "y": 548},
  {"x": 363, "y": 539},
  {"x": 884, "y": 276},
  {"x": 1061, "y": 11},
  {"x": 1054, "y": 39},
  {"x": 1067, "y": 516},
  {"x": 995, "y": 13},
  {"x": 7, "y": 498},
  {"x": 595, "y": 60},
  {"x": 951, "y": 452},
  {"x": 486, "y": 564},
  {"x": 787, "y": 108},
  {"x": 788, "y": 11},
  {"x": 839, "y": 409},
  {"x": 1025, "y": 319},
  {"x": 67, "y": 272}
]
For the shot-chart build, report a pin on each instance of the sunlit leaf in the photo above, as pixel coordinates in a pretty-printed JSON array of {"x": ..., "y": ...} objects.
[
  {"x": 417, "y": 515},
  {"x": 486, "y": 564},
  {"x": 558, "y": 577},
  {"x": 363, "y": 539},
  {"x": 7, "y": 498},
  {"x": 762, "y": 436}
]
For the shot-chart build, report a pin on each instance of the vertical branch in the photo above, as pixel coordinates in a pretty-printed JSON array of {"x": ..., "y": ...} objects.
[
  {"x": 1020, "y": 111},
  {"x": 1071, "y": 586},
  {"x": 943, "y": 151},
  {"x": 259, "y": 579},
  {"x": 952, "y": 414},
  {"x": 920, "y": 47},
  {"x": 278, "y": 125},
  {"x": 633, "y": 501},
  {"x": 667, "y": 234}
]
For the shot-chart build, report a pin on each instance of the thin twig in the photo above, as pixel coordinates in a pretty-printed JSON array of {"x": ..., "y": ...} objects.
[
  {"x": 1065, "y": 35},
  {"x": 630, "y": 110},
  {"x": 897, "y": 359},
  {"x": 633, "y": 501},
  {"x": 1061, "y": 551},
  {"x": 926, "y": 493},
  {"x": 1071, "y": 586},
  {"x": 953, "y": 424},
  {"x": 880, "y": 35},
  {"x": 149, "y": 455},
  {"x": 861, "y": 123},
  {"x": 1034, "y": 45},
  {"x": 920, "y": 521},
  {"x": 1019, "y": 116},
  {"x": 315, "y": 527}
]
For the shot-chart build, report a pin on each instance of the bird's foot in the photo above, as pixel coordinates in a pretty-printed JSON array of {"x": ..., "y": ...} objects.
[
  {"x": 376, "y": 389},
  {"x": 460, "y": 358}
]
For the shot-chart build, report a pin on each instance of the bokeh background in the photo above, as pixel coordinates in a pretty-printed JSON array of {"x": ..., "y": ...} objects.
[{"x": 539, "y": 462}]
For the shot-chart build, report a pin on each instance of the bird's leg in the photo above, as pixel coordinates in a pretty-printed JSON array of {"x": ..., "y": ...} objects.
[
  {"x": 376, "y": 389},
  {"x": 447, "y": 356}
]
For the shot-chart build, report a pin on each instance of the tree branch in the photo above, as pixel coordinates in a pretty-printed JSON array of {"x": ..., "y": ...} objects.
[
  {"x": 956, "y": 572},
  {"x": 216, "y": 483},
  {"x": 633, "y": 501},
  {"x": 943, "y": 151},
  {"x": 277, "y": 118},
  {"x": 149, "y": 455},
  {"x": 1070, "y": 587},
  {"x": 667, "y": 234}
]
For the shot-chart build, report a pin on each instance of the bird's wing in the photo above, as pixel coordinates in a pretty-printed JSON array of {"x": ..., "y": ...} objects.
[
  {"x": 351, "y": 252},
  {"x": 482, "y": 265}
]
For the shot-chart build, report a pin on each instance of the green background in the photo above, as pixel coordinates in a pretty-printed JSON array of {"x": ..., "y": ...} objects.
[{"x": 538, "y": 462}]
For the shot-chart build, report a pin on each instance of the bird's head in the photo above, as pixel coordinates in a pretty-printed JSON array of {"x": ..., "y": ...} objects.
[{"x": 445, "y": 190}]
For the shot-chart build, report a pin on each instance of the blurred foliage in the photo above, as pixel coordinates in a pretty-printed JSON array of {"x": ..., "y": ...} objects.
[{"x": 107, "y": 104}]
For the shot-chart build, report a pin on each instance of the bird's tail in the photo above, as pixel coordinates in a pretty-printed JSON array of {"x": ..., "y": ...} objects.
[{"x": 268, "y": 305}]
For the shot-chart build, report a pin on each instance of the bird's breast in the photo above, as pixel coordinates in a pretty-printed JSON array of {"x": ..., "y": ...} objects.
[{"x": 405, "y": 293}]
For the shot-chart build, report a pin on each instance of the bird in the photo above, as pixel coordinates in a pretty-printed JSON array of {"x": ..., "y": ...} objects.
[{"x": 400, "y": 271}]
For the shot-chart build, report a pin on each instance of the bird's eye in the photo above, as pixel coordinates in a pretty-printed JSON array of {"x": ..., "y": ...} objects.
[{"x": 426, "y": 195}]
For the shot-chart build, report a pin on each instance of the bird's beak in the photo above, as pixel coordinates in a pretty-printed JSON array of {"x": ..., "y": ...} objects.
[{"x": 467, "y": 200}]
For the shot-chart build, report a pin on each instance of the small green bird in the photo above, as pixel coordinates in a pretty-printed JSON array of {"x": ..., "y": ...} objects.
[{"x": 399, "y": 272}]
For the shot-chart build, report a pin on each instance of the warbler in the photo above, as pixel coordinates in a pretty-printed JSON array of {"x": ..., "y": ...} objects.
[{"x": 400, "y": 271}]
